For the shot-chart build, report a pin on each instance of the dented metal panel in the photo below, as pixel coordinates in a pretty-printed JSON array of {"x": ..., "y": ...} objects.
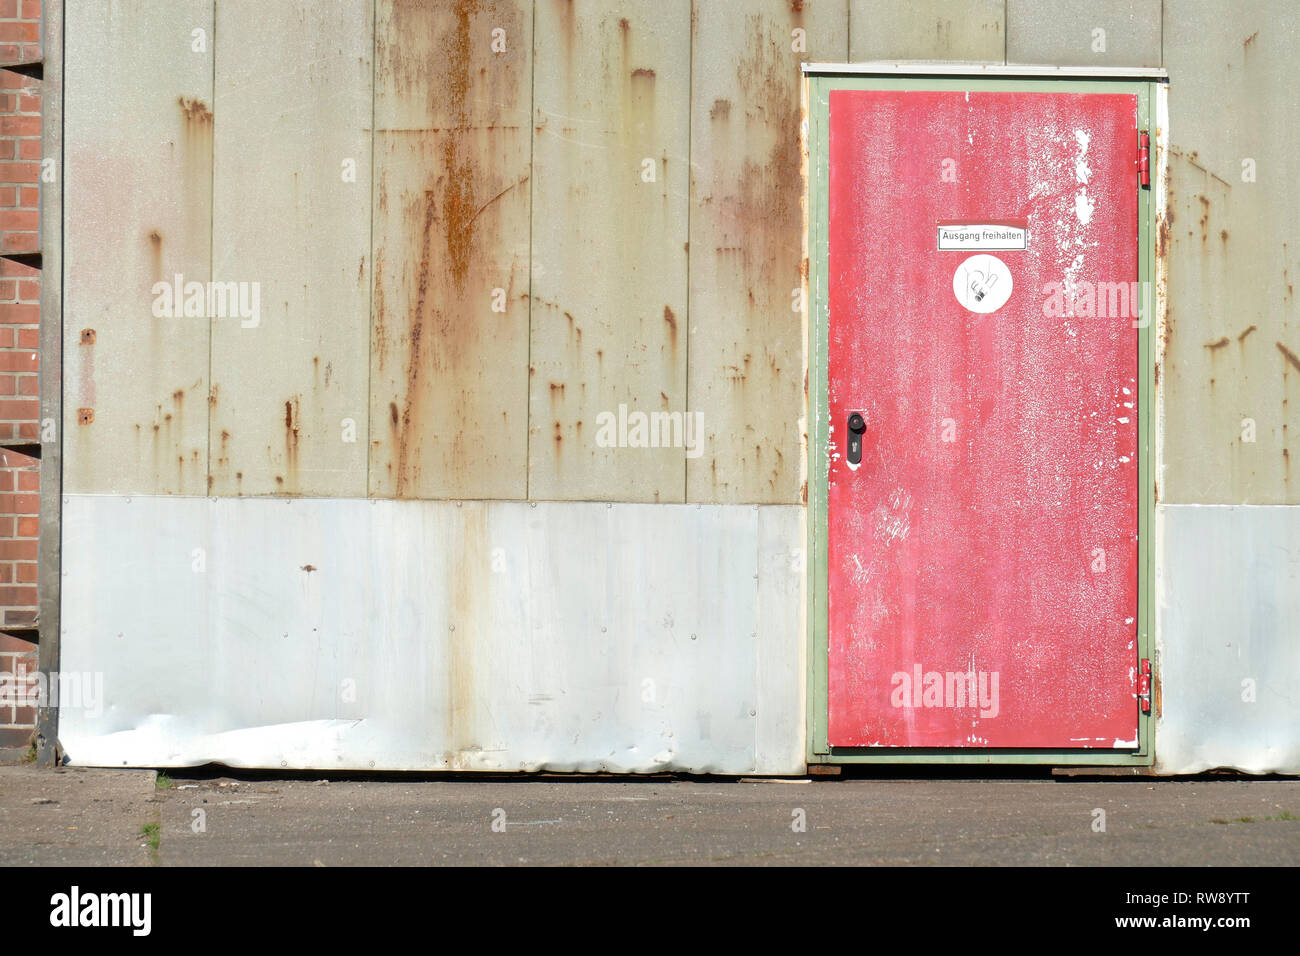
[
  {"x": 1228, "y": 659},
  {"x": 138, "y": 168},
  {"x": 291, "y": 236},
  {"x": 610, "y": 195},
  {"x": 449, "y": 354},
  {"x": 405, "y": 635},
  {"x": 1123, "y": 33},
  {"x": 745, "y": 368},
  {"x": 1231, "y": 375},
  {"x": 969, "y": 30}
]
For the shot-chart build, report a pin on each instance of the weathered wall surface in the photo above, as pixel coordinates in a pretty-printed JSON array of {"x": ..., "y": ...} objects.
[
  {"x": 403, "y": 635},
  {"x": 479, "y": 226},
  {"x": 587, "y": 205}
]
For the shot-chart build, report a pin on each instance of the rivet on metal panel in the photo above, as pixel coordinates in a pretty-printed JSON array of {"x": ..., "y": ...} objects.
[{"x": 451, "y": 627}]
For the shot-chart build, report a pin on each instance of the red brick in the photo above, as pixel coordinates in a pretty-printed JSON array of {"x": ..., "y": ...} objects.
[
  {"x": 8, "y": 290},
  {"x": 23, "y": 32},
  {"x": 8, "y": 149},
  {"x": 8, "y": 196},
  {"x": 24, "y": 550},
  {"x": 28, "y": 102},
  {"x": 29, "y": 291},
  {"x": 19, "y": 242},
  {"x": 25, "y": 219},
  {"x": 25, "y": 572},
  {"x": 31, "y": 9},
  {"x": 15, "y": 645},
  {"x": 27, "y": 527},
  {"x": 8, "y": 384},
  {"x": 6, "y": 338},
  {"x": 29, "y": 197},
  {"x": 22, "y": 172},
  {"x": 29, "y": 385},
  {"x": 7, "y": 480},
  {"x": 28, "y": 480},
  {"x": 8, "y": 8},
  {"x": 16, "y": 595},
  {"x": 27, "y": 338},
  {"x": 29, "y": 148},
  {"x": 27, "y": 430},
  {"x": 24, "y": 504},
  {"x": 26, "y": 716},
  {"x": 23, "y": 361},
  {"x": 26, "y": 314},
  {"x": 19, "y": 409},
  {"x": 13, "y": 268}
]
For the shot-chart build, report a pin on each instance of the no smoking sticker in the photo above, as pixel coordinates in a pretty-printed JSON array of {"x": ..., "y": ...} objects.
[{"x": 982, "y": 284}]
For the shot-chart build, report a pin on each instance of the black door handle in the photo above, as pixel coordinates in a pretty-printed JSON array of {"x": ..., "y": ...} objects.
[{"x": 857, "y": 425}]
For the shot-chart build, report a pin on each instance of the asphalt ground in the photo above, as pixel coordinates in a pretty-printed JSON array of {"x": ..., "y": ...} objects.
[{"x": 81, "y": 817}]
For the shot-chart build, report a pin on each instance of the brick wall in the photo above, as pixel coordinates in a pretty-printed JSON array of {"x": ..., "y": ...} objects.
[{"x": 20, "y": 157}]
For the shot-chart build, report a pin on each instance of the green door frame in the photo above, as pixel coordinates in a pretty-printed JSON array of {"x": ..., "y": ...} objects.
[{"x": 1149, "y": 86}]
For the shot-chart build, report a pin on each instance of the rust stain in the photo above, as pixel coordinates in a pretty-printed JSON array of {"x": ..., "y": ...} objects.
[
  {"x": 196, "y": 111},
  {"x": 1242, "y": 337},
  {"x": 721, "y": 110},
  {"x": 643, "y": 73},
  {"x": 1291, "y": 357},
  {"x": 1217, "y": 343},
  {"x": 87, "y": 336},
  {"x": 309, "y": 568},
  {"x": 671, "y": 319},
  {"x": 87, "y": 415}
]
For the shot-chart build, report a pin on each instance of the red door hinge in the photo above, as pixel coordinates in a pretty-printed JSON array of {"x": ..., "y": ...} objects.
[
  {"x": 1144, "y": 685},
  {"x": 1144, "y": 159}
]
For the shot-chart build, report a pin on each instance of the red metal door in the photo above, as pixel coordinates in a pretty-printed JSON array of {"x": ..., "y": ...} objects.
[{"x": 982, "y": 555}]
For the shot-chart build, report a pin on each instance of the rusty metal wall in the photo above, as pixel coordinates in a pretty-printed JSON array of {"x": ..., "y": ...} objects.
[
  {"x": 137, "y": 182},
  {"x": 528, "y": 278},
  {"x": 1231, "y": 373}
]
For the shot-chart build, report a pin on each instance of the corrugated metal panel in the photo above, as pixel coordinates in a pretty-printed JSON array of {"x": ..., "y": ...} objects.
[
  {"x": 1229, "y": 661},
  {"x": 927, "y": 30},
  {"x": 138, "y": 200},
  {"x": 1231, "y": 374},
  {"x": 449, "y": 362},
  {"x": 1096, "y": 33},
  {"x": 609, "y": 192},
  {"x": 746, "y": 335},
  {"x": 292, "y": 214},
  {"x": 406, "y": 635}
]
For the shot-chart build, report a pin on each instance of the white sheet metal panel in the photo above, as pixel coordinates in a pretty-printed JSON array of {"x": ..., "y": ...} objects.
[
  {"x": 1228, "y": 638},
  {"x": 291, "y": 194},
  {"x": 411, "y": 635},
  {"x": 138, "y": 200}
]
